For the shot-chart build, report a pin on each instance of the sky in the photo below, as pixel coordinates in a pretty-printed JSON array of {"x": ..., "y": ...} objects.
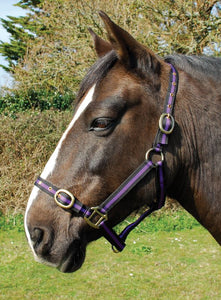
[{"x": 7, "y": 9}]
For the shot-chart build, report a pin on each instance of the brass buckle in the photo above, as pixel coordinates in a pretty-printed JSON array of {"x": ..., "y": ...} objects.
[
  {"x": 89, "y": 220},
  {"x": 56, "y": 196},
  {"x": 169, "y": 116}
]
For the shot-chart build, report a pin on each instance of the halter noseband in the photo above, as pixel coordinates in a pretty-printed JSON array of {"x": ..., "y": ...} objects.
[{"x": 97, "y": 217}]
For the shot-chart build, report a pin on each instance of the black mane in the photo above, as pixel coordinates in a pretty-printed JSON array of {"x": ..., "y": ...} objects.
[
  {"x": 98, "y": 71},
  {"x": 201, "y": 67}
]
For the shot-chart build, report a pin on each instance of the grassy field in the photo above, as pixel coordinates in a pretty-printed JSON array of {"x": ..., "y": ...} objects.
[{"x": 158, "y": 263}]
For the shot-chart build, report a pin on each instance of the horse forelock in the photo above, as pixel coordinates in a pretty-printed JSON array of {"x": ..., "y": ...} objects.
[{"x": 96, "y": 73}]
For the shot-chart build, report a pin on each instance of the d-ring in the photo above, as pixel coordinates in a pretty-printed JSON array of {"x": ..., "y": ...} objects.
[{"x": 60, "y": 202}]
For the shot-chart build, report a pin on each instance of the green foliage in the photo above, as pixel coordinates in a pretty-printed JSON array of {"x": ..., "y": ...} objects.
[
  {"x": 17, "y": 101},
  {"x": 184, "y": 27},
  {"x": 30, "y": 4},
  {"x": 52, "y": 58},
  {"x": 22, "y": 30}
]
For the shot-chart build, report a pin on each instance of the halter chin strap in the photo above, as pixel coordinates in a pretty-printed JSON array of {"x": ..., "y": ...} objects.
[{"x": 97, "y": 217}]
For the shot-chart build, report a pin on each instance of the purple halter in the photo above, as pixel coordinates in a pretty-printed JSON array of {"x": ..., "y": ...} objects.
[{"x": 97, "y": 217}]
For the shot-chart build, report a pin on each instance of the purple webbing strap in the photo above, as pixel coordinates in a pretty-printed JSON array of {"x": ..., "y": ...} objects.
[
  {"x": 162, "y": 195},
  {"x": 123, "y": 235},
  {"x": 160, "y": 203},
  {"x": 118, "y": 241},
  {"x": 112, "y": 237},
  {"x": 51, "y": 190},
  {"x": 81, "y": 209},
  {"x": 162, "y": 138},
  {"x": 172, "y": 90},
  {"x": 126, "y": 186}
]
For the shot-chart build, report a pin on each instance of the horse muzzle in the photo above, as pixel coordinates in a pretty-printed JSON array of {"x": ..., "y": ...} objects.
[{"x": 73, "y": 258}]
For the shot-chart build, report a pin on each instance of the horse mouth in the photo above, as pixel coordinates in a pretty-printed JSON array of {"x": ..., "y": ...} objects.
[{"x": 73, "y": 259}]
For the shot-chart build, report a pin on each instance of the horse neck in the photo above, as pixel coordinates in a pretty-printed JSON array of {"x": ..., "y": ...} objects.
[{"x": 196, "y": 142}]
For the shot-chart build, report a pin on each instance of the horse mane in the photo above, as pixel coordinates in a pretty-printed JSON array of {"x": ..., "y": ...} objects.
[
  {"x": 97, "y": 71},
  {"x": 201, "y": 67}
]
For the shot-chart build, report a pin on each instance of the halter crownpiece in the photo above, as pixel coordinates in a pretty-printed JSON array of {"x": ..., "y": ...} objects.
[{"x": 97, "y": 217}]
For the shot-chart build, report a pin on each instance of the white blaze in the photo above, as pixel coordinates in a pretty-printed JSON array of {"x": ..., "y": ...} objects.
[{"x": 52, "y": 161}]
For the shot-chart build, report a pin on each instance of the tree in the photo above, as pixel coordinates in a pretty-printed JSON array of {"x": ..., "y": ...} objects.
[
  {"x": 21, "y": 29},
  {"x": 58, "y": 57},
  {"x": 186, "y": 27},
  {"x": 56, "y": 46}
]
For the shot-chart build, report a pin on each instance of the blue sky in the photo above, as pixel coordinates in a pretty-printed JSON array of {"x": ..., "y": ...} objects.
[{"x": 7, "y": 9}]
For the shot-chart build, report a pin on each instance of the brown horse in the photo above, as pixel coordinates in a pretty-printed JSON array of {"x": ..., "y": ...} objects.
[{"x": 115, "y": 121}]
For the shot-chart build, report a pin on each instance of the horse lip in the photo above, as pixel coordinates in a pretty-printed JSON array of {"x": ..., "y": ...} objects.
[{"x": 73, "y": 259}]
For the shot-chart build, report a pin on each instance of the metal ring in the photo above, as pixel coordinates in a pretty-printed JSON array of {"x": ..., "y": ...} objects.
[
  {"x": 169, "y": 116},
  {"x": 114, "y": 249},
  {"x": 147, "y": 156},
  {"x": 63, "y": 205}
]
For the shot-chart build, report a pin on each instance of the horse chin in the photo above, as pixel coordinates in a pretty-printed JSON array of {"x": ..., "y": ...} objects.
[{"x": 73, "y": 259}]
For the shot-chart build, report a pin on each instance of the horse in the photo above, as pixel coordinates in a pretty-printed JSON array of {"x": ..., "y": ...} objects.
[{"x": 102, "y": 163}]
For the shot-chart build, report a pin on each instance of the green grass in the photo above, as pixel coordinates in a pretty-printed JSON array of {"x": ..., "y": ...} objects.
[{"x": 156, "y": 264}]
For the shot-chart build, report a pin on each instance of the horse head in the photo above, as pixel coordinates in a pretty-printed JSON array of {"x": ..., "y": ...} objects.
[{"x": 115, "y": 120}]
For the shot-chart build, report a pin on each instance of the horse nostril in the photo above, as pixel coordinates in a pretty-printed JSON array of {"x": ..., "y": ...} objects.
[
  {"x": 37, "y": 237},
  {"x": 42, "y": 239}
]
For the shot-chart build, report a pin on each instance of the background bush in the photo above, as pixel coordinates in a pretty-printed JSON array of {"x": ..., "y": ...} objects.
[
  {"x": 18, "y": 101},
  {"x": 26, "y": 144}
]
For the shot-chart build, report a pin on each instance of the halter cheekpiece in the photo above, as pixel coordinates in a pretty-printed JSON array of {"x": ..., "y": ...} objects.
[{"x": 97, "y": 217}]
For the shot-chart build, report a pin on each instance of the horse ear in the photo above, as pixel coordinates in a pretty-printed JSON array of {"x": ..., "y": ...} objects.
[
  {"x": 101, "y": 46},
  {"x": 128, "y": 50}
]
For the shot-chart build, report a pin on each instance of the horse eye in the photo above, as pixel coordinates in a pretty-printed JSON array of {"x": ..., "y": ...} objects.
[{"x": 101, "y": 124}]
